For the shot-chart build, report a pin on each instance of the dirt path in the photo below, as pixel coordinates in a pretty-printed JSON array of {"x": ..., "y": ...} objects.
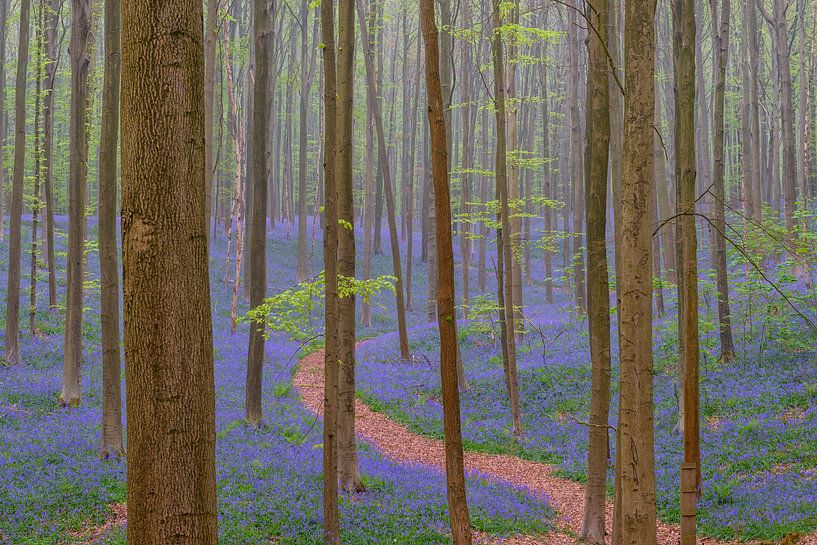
[{"x": 397, "y": 443}]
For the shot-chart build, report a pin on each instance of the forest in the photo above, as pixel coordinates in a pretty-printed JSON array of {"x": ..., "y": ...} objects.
[{"x": 369, "y": 272}]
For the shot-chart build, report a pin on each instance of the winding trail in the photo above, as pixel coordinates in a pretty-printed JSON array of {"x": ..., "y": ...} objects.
[{"x": 397, "y": 443}]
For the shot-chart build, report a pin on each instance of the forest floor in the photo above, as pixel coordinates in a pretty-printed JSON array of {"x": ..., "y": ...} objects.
[{"x": 403, "y": 446}]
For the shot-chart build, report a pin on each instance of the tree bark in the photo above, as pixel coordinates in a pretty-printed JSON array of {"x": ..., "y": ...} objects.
[
  {"x": 504, "y": 252},
  {"x": 18, "y": 179},
  {"x": 384, "y": 161},
  {"x": 108, "y": 249},
  {"x": 446, "y": 309},
  {"x": 720, "y": 40},
  {"x": 262, "y": 36},
  {"x": 637, "y": 468},
  {"x": 81, "y": 55},
  {"x": 597, "y": 140},
  {"x": 348, "y": 473},
  {"x": 51, "y": 58},
  {"x": 168, "y": 360}
]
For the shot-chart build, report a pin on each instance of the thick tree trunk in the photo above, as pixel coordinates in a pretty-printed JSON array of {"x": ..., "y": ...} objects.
[
  {"x": 348, "y": 473},
  {"x": 168, "y": 361},
  {"x": 637, "y": 468},
  {"x": 597, "y": 140},
  {"x": 446, "y": 313},
  {"x": 77, "y": 194},
  {"x": 262, "y": 37},
  {"x": 108, "y": 248},
  {"x": 18, "y": 179}
]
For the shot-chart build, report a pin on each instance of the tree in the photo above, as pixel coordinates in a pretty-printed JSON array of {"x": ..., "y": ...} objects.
[
  {"x": 384, "y": 161},
  {"x": 51, "y": 60},
  {"x": 262, "y": 36},
  {"x": 77, "y": 194},
  {"x": 210, "y": 40},
  {"x": 18, "y": 178},
  {"x": 504, "y": 251},
  {"x": 597, "y": 141},
  {"x": 637, "y": 457},
  {"x": 3, "y": 117},
  {"x": 108, "y": 252},
  {"x": 331, "y": 528},
  {"x": 348, "y": 472},
  {"x": 720, "y": 37},
  {"x": 168, "y": 329},
  {"x": 684, "y": 39},
  {"x": 446, "y": 309}
]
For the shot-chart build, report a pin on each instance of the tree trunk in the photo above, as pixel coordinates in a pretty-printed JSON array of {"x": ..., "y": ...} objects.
[
  {"x": 108, "y": 249},
  {"x": 348, "y": 473},
  {"x": 302, "y": 143},
  {"x": 577, "y": 236},
  {"x": 504, "y": 253},
  {"x": 446, "y": 309},
  {"x": 637, "y": 468},
  {"x": 51, "y": 56},
  {"x": 684, "y": 61},
  {"x": 720, "y": 40},
  {"x": 77, "y": 193},
  {"x": 168, "y": 361},
  {"x": 597, "y": 140},
  {"x": 18, "y": 179},
  {"x": 210, "y": 40},
  {"x": 262, "y": 36},
  {"x": 331, "y": 523}
]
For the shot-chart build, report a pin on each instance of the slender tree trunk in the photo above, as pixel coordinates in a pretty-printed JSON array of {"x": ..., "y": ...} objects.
[
  {"x": 18, "y": 179},
  {"x": 384, "y": 161},
  {"x": 331, "y": 523},
  {"x": 51, "y": 58},
  {"x": 302, "y": 143},
  {"x": 81, "y": 55},
  {"x": 168, "y": 362},
  {"x": 467, "y": 164},
  {"x": 684, "y": 61},
  {"x": 446, "y": 312},
  {"x": 577, "y": 237},
  {"x": 348, "y": 473},
  {"x": 720, "y": 37},
  {"x": 597, "y": 140},
  {"x": 637, "y": 468},
  {"x": 111, "y": 444},
  {"x": 262, "y": 36},
  {"x": 210, "y": 39},
  {"x": 35, "y": 205},
  {"x": 504, "y": 280},
  {"x": 4, "y": 115}
]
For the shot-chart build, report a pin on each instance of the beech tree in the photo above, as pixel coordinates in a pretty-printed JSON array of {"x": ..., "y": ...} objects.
[
  {"x": 446, "y": 309},
  {"x": 18, "y": 177},
  {"x": 168, "y": 334},
  {"x": 636, "y": 470},
  {"x": 81, "y": 54},
  {"x": 108, "y": 248}
]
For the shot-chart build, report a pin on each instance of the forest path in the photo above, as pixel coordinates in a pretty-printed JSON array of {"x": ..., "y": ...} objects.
[{"x": 399, "y": 444}]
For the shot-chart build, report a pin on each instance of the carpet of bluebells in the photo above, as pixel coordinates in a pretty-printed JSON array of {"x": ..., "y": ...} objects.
[
  {"x": 759, "y": 411},
  {"x": 269, "y": 481}
]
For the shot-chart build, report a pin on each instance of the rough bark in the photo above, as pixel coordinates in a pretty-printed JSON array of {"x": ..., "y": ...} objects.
[
  {"x": 637, "y": 468},
  {"x": 111, "y": 444},
  {"x": 168, "y": 353}
]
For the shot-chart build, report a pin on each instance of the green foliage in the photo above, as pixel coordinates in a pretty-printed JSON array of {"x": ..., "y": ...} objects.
[{"x": 293, "y": 311}]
